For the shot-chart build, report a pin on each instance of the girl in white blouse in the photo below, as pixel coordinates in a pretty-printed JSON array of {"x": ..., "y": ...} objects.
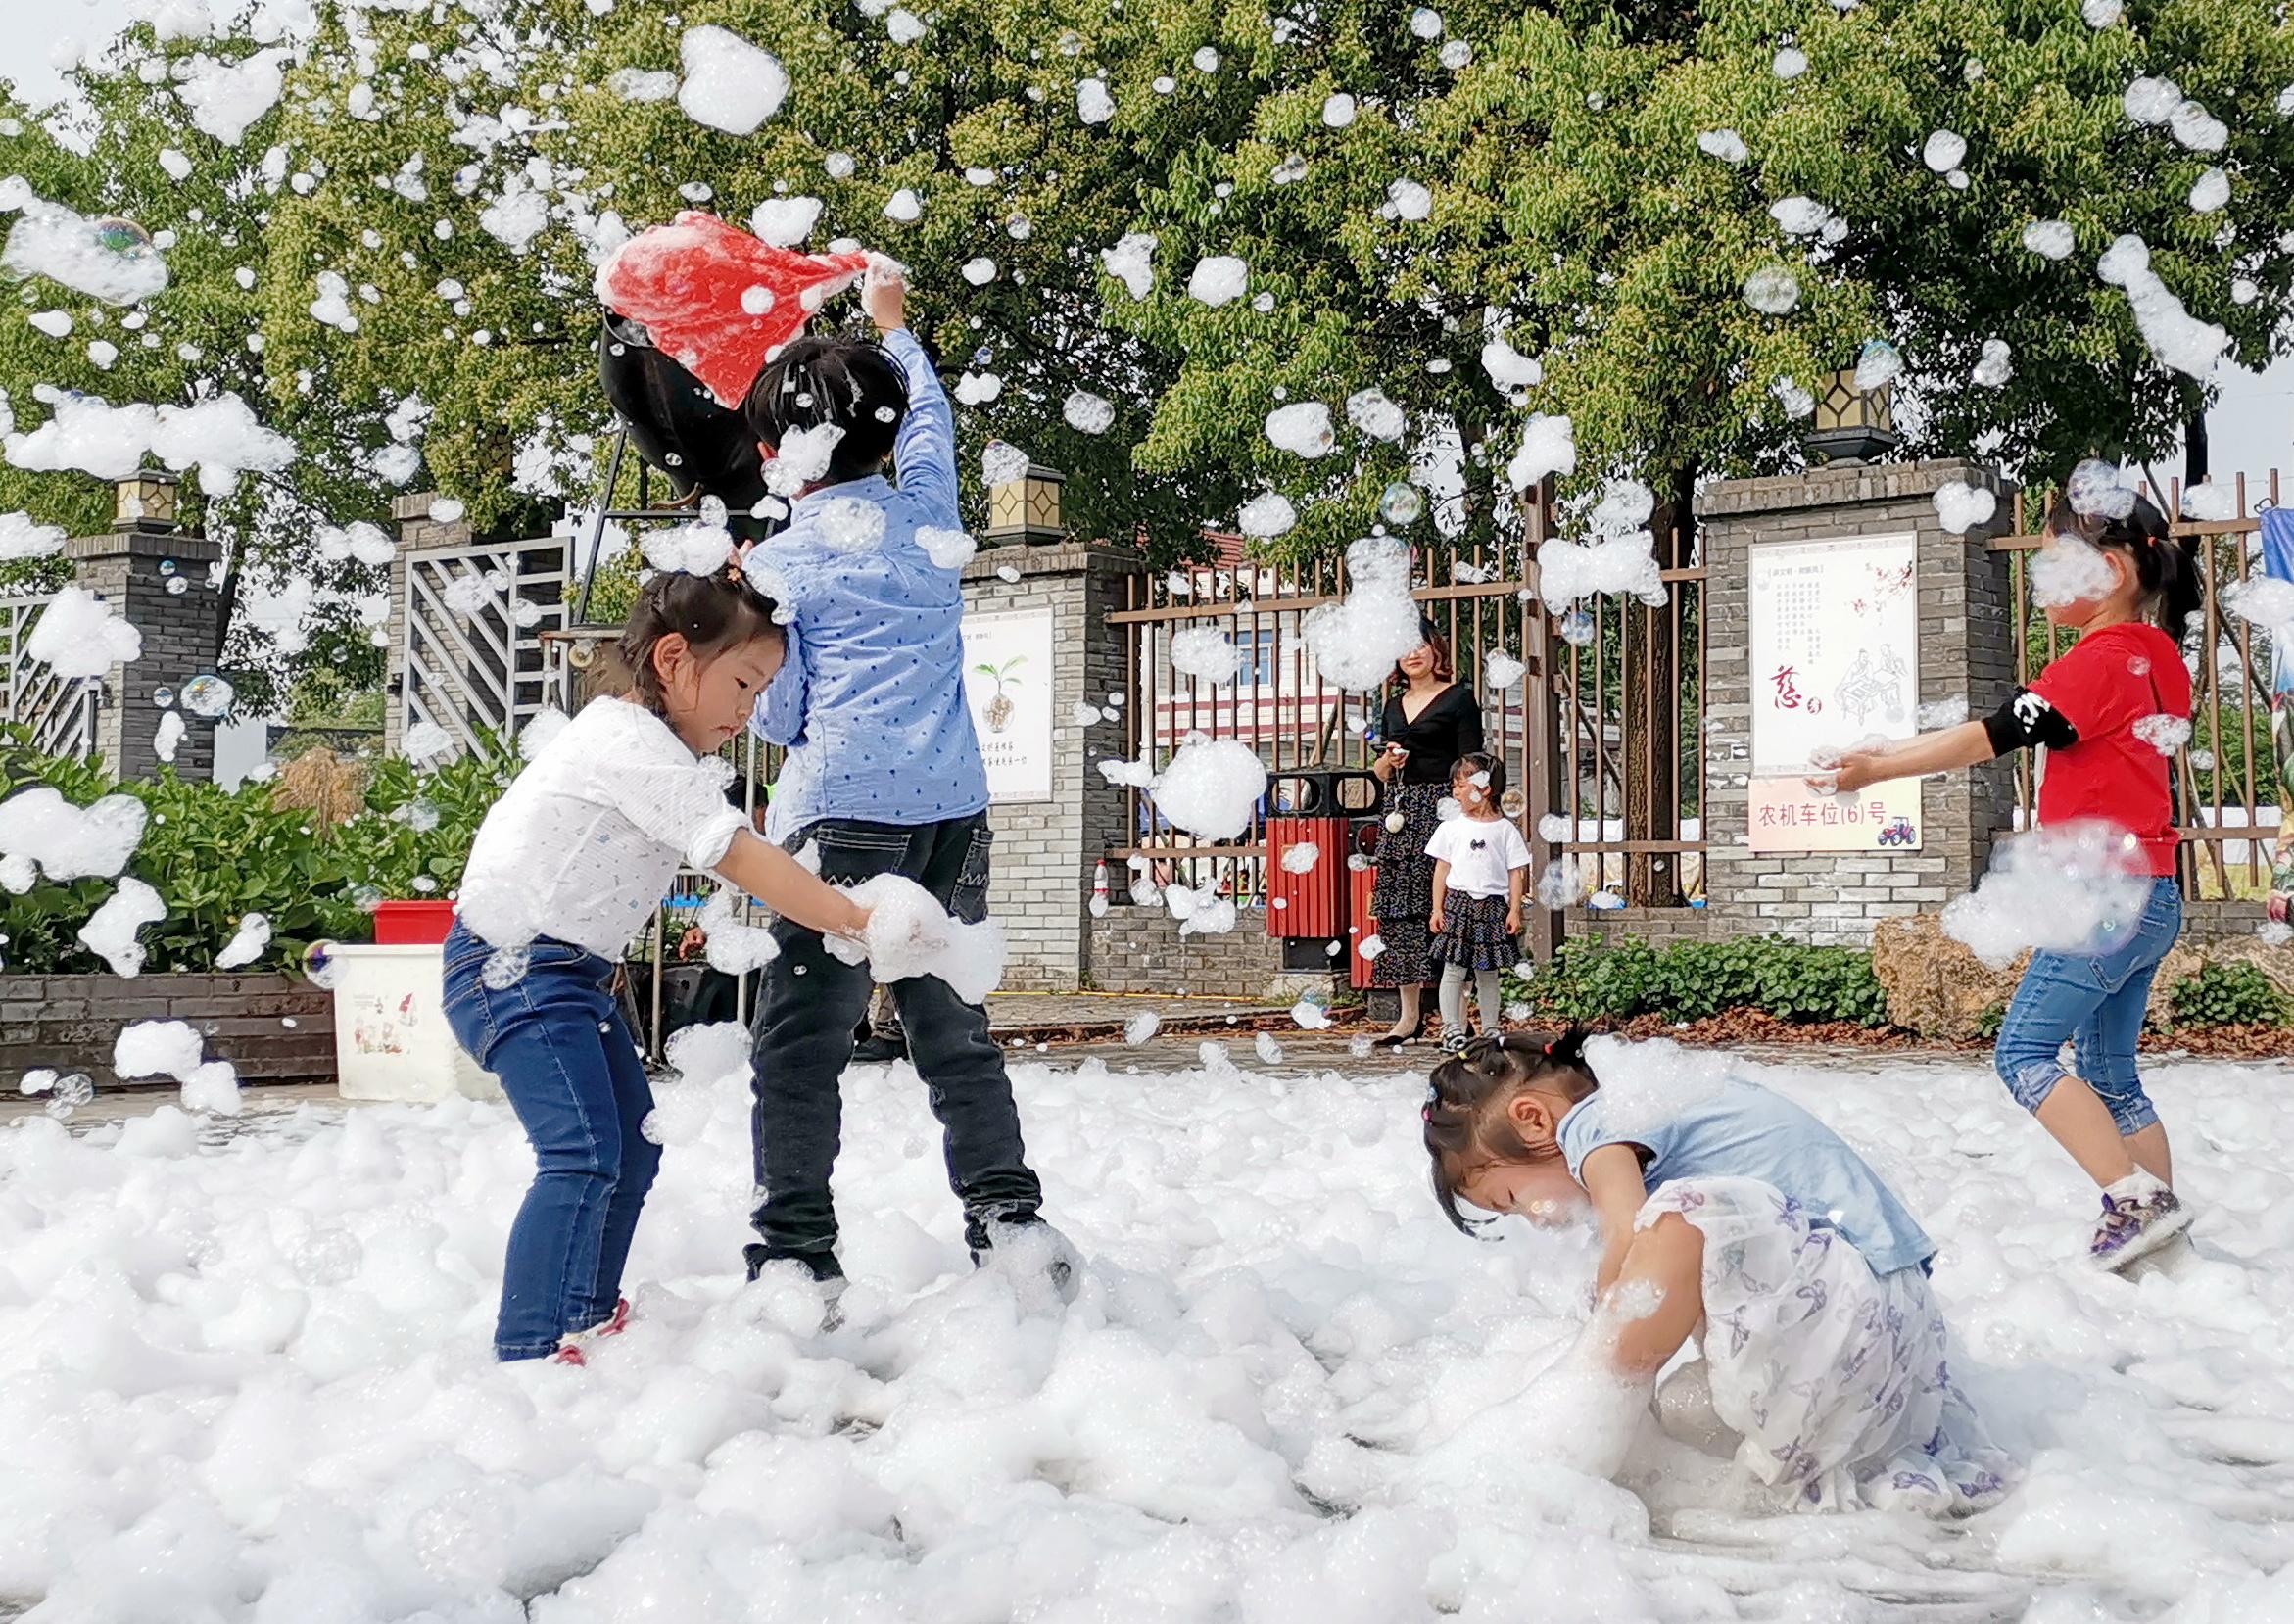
[{"x": 565, "y": 871}]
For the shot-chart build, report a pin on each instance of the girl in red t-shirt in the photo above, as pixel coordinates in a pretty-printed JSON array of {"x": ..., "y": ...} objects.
[{"x": 2090, "y": 710}]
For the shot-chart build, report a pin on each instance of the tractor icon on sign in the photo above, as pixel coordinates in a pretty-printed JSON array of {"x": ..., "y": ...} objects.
[{"x": 1899, "y": 833}]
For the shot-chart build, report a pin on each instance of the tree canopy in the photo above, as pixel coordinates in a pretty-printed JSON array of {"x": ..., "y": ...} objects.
[{"x": 1484, "y": 215}]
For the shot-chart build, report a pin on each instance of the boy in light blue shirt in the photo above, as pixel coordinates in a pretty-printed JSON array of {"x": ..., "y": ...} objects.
[{"x": 882, "y": 775}]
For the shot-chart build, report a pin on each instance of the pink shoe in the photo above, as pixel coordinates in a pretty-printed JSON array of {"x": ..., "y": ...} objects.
[{"x": 570, "y": 1345}]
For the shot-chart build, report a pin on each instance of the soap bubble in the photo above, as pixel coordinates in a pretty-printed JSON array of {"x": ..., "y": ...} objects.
[
  {"x": 1772, "y": 290},
  {"x": 167, "y": 566},
  {"x": 1577, "y": 628},
  {"x": 177, "y": 587},
  {"x": 69, "y": 1093},
  {"x": 162, "y": 697},
  {"x": 207, "y": 695},
  {"x": 1401, "y": 503},
  {"x": 121, "y": 236},
  {"x": 1877, "y": 365},
  {"x": 321, "y": 966},
  {"x": 504, "y": 969}
]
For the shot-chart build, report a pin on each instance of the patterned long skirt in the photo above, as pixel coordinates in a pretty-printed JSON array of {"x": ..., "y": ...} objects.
[
  {"x": 1837, "y": 1380},
  {"x": 1403, "y": 899}
]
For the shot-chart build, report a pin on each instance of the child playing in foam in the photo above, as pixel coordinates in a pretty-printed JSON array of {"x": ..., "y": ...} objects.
[
  {"x": 2101, "y": 713},
  {"x": 563, "y": 874},
  {"x": 1730, "y": 1213}
]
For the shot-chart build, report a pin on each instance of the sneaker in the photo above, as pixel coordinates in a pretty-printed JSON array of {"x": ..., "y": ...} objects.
[
  {"x": 570, "y": 1345},
  {"x": 823, "y": 1267},
  {"x": 877, "y": 1048},
  {"x": 1029, "y": 1244},
  {"x": 1453, "y": 1040},
  {"x": 2134, "y": 1227}
]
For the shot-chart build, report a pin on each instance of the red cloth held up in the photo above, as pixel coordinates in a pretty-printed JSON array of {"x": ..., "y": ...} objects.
[{"x": 718, "y": 301}]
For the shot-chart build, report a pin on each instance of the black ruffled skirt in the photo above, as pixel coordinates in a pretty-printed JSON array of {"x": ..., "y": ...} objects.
[{"x": 1474, "y": 934}]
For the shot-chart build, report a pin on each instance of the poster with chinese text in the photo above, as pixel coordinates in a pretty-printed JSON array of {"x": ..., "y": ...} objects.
[{"x": 1836, "y": 658}]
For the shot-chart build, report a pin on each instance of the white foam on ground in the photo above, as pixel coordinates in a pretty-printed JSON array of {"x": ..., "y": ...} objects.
[{"x": 245, "y": 1377}]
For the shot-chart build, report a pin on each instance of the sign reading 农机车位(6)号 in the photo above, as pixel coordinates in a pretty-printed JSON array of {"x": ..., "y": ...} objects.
[
  {"x": 1835, "y": 661},
  {"x": 1008, "y": 688}
]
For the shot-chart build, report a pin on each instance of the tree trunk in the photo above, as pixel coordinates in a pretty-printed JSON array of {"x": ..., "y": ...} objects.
[
  {"x": 1651, "y": 655},
  {"x": 2194, "y": 447}
]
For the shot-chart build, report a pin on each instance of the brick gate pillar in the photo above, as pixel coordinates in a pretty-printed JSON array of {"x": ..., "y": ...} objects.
[
  {"x": 1966, "y": 652},
  {"x": 135, "y": 568},
  {"x": 1047, "y": 843}
]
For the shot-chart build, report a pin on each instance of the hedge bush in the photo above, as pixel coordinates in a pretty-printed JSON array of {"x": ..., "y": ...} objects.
[
  {"x": 1693, "y": 980},
  {"x": 215, "y": 855},
  {"x": 2229, "y": 995}
]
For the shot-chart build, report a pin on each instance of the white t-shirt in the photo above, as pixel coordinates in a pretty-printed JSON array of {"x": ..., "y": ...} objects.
[
  {"x": 1481, "y": 854},
  {"x": 583, "y": 844}
]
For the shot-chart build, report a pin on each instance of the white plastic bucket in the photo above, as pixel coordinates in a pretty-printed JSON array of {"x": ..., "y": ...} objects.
[{"x": 392, "y": 1041}]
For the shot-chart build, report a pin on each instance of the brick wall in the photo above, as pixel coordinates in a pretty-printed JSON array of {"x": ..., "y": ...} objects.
[
  {"x": 127, "y": 568},
  {"x": 1046, "y": 850},
  {"x": 1662, "y": 926},
  {"x": 2202, "y": 922},
  {"x": 1966, "y": 652},
  {"x": 1139, "y": 949},
  {"x": 69, "y": 1023}
]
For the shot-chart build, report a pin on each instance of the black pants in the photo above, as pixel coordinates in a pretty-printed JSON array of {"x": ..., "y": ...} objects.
[{"x": 804, "y": 1037}]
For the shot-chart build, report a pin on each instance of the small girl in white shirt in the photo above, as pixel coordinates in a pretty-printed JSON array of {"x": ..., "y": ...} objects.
[
  {"x": 1481, "y": 867},
  {"x": 566, "y": 870}
]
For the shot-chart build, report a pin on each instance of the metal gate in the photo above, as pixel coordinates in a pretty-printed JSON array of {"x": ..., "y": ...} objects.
[
  {"x": 1599, "y": 741},
  {"x": 474, "y": 617},
  {"x": 59, "y": 711}
]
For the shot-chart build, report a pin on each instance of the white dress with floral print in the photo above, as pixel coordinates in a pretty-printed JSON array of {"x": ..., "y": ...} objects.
[{"x": 1837, "y": 1378}]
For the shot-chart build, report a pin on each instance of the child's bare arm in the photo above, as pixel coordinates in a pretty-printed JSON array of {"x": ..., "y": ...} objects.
[
  {"x": 1611, "y": 1176},
  {"x": 1516, "y": 887},
  {"x": 791, "y": 890},
  {"x": 1967, "y": 746},
  {"x": 1441, "y": 890}
]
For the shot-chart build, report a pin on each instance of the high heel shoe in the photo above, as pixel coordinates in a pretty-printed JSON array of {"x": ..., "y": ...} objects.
[{"x": 1395, "y": 1040}]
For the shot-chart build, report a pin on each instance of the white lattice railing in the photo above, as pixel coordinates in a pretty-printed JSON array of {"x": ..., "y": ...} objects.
[
  {"x": 473, "y": 654},
  {"x": 60, "y": 711}
]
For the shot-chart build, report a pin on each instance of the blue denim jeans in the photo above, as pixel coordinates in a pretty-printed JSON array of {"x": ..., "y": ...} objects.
[
  {"x": 571, "y": 1071},
  {"x": 2095, "y": 1001}
]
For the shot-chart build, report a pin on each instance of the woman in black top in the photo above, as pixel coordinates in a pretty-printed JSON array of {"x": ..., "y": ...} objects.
[{"x": 1430, "y": 721}]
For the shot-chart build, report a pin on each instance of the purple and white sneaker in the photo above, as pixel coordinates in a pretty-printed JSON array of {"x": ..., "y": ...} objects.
[{"x": 2135, "y": 1227}]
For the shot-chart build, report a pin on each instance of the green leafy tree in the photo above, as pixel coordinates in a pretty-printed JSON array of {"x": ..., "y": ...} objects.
[{"x": 206, "y": 207}]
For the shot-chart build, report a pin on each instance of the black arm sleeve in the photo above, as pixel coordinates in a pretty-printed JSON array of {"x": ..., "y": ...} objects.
[{"x": 2026, "y": 720}]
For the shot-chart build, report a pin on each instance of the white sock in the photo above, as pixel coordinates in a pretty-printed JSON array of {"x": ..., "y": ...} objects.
[{"x": 2138, "y": 1185}]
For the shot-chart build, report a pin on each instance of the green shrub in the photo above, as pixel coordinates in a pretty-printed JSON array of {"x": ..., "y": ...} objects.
[
  {"x": 1694, "y": 980},
  {"x": 2233, "y": 994},
  {"x": 215, "y": 855}
]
